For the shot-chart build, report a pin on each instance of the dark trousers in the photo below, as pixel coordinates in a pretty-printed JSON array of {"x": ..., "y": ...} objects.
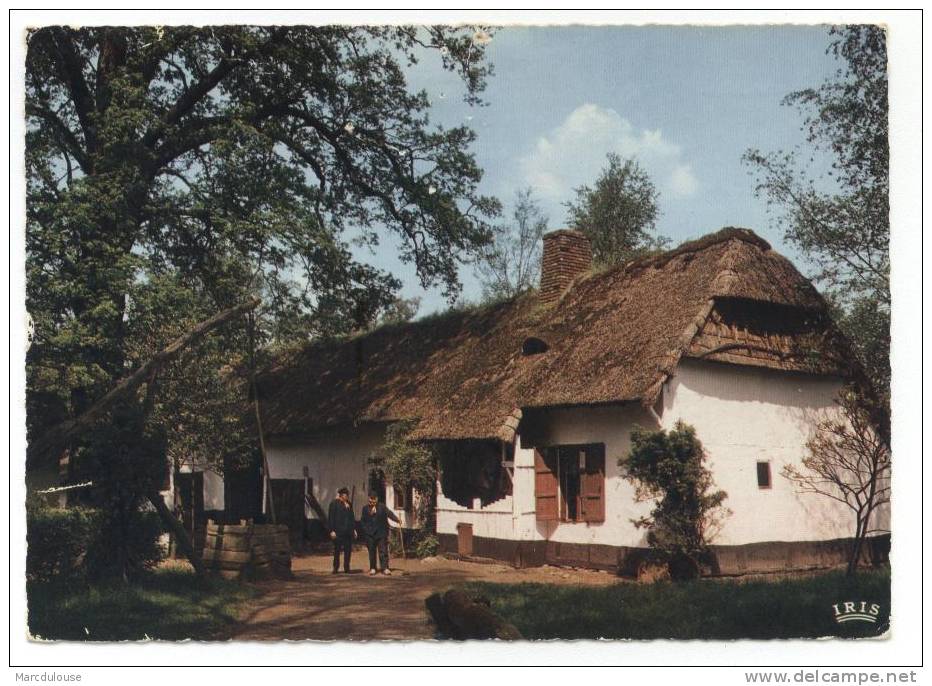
[
  {"x": 380, "y": 544},
  {"x": 344, "y": 544}
]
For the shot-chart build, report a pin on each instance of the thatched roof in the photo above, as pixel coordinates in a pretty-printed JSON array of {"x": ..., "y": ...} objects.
[{"x": 613, "y": 337}]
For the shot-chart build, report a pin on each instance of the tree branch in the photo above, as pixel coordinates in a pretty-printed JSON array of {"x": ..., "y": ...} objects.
[{"x": 59, "y": 436}]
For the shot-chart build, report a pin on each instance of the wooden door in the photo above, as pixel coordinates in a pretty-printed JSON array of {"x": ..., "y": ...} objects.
[{"x": 288, "y": 499}]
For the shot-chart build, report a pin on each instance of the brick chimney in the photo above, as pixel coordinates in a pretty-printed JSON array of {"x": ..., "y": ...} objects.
[{"x": 567, "y": 254}]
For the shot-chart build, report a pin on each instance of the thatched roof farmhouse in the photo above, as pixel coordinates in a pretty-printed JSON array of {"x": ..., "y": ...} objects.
[{"x": 537, "y": 396}]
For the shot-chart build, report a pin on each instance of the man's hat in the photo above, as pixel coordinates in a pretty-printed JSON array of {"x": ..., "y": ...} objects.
[{"x": 343, "y": 491}]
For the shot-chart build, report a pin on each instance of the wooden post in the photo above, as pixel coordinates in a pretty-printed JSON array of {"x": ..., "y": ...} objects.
[
  {"x": 267, "y": 481},
  {"x": 401, "y": 537}
]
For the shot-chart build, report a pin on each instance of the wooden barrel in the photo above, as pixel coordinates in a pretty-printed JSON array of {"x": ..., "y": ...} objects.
[{"x": 247, "y": 550}]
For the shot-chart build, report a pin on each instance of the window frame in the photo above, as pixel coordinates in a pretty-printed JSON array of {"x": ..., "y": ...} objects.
[{"x": 554, "y": 455}]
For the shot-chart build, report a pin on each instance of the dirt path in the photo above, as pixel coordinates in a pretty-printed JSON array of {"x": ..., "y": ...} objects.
[{"x": 318, "y": 605}]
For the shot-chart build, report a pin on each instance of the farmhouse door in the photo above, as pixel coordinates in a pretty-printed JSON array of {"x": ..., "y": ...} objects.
[
  {"x": 288, "y": 499},
  {"x": 242, "y": 491},
  {"x": 546, "y": 487},
  {"x": 190, "y": 489}
]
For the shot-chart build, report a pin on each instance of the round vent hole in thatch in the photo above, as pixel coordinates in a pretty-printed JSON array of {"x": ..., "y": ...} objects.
[{"x": 533, "y": 346}]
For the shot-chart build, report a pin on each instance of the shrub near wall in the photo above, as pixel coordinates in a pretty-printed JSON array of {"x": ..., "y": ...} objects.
[
  {"x": 57, "y": 540},
  {"x": 68, "y": 542}
]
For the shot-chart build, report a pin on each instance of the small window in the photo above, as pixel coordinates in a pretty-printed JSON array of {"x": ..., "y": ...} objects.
[
  {"x": 763, "y": 475},
  {"x": 534, "y": 346},
  {"x": 404, "y": 497},
  {"x": 570, "y": 483}
]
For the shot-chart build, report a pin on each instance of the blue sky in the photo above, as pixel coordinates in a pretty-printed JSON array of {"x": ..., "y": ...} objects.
[{"x": 685, "y": 101}]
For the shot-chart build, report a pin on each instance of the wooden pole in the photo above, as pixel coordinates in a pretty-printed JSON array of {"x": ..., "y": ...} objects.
[{"x": 267, "y": 481}]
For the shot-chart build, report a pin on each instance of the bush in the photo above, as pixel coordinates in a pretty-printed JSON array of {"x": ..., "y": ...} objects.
[
  {"x": 57, "y": 540},
  {"x": 669, "y": 468},
  {"x": 73, "y": 542},
  {"x": 427, "y": 546},
  {"x": 127, "y": 543}
]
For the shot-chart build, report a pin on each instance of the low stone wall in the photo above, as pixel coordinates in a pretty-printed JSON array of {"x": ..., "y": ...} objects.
[
  {"x": 247, "y": 550},
  {"x": 726, "y": 560}
]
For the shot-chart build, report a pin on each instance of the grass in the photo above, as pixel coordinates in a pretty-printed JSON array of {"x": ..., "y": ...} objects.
[
  {"x": 168, "y": 603},
  {"x": 799, "y": 607}
]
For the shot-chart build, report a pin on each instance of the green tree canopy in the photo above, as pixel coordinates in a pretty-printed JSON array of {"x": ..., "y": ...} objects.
[
  {"x": 173, "y": 170},
  {"x": 619, "y": 214}
]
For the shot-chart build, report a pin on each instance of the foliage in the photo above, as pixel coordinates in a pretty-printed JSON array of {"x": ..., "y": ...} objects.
[
  {"x": 707, "y": 609},
  {"x": 399, "y": 311},
  {"x": 511, "y": 264},
  {"x": 168, "y": 603},
  {"x": 840, "y": 218},
  {"x": 172, "y": 171},
  {"x": 619, "y": 214},
  {"x": 427, "y": 546},
  {"x": 79, "y": 542},
  {"x": 408, "y": 464},
  {"x": 669, "y": 467},
  {"x": 57, "y": 540},
  {"x": 849, "y": 463},
  {"x": 418, "y": 543}
]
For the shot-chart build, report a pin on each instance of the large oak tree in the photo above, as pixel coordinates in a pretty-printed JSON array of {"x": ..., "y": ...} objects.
[{"x": 172, "y": 171}]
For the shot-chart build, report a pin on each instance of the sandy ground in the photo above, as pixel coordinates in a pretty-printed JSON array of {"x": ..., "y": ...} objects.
[{"x": 318, "y": 605}]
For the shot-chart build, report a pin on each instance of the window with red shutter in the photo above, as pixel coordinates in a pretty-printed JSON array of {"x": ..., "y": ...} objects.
[
  {"x": 546, "y": 486},
  {"x": 570, "y": 482},
  {"x": 592, "y": 485}
]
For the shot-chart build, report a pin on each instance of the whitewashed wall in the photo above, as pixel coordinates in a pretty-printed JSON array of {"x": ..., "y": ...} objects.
[
  {"x": 333, "y": 459},
  {"x": 213, "y": 486},
  {"x": 744, "y": 415},
  {"x": 514, "y": 517},
  {"x": 741, "y": 414}
]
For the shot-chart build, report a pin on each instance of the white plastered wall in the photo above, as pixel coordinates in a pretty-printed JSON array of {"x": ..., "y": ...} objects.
[
  {"x": 333, "y": 459},
  {"x": 213, "y": 486},
  {"x": 744, "y": 415},
  {"x": 514, "y": 517}
]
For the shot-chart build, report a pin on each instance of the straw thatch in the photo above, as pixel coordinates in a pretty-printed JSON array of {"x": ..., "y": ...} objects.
[{"x": 613, "y": 337}]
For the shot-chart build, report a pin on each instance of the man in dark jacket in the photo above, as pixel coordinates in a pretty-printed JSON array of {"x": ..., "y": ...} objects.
[
  {"x": 374, "y": 524},
  {"x": 342, "y": 523}
]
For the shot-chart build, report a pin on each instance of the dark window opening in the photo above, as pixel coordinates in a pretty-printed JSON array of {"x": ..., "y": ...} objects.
[
  {"x": 404, "y": 497},
  {"x": 473, "y": 469},
  {"x": 763, "y": 475},
  {"x": 377, "y": 484},
  {"x": 534, "y": 346}
]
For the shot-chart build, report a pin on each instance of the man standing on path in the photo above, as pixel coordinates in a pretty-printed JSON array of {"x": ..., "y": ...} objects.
[
  {"x": 374, "y": 522},
  {"x": 342, "y": 523}
]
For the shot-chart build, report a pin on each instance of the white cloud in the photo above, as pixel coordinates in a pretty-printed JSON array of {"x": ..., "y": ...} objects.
[
  {"x": 574, "y": 153},
  {"x": 682, "y": 181}
]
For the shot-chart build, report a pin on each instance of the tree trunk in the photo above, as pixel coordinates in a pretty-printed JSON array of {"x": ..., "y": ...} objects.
[
  {"x": 856, "y": 549},
  {"x": 460, "y": 616},
  {"x": 181, "y": 536}
]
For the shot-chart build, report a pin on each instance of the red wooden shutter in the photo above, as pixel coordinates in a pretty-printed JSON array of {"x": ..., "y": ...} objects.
[
  {"x": 592, "y": 485},
  {"x": 545, "y": 489}
]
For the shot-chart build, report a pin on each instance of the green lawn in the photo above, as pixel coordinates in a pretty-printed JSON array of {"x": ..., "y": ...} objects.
[
  {"x": 169, "y": 603},
  {"x": 705, "y": 609}
]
